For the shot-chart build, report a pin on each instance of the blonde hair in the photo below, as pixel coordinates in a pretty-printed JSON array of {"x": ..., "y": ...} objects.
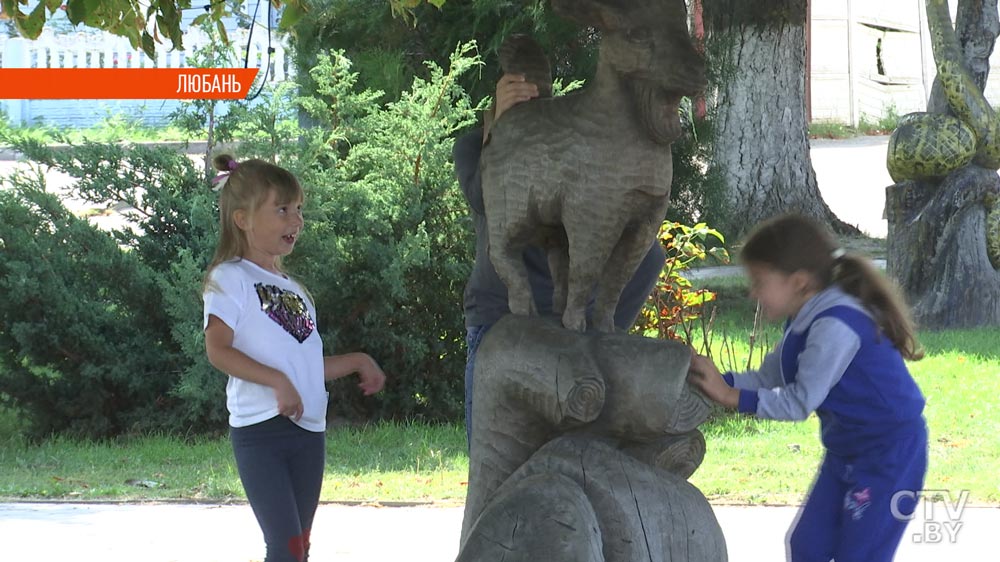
[
  {"x": 245, "y": 186},
  {"x": 790, "y": 243}
]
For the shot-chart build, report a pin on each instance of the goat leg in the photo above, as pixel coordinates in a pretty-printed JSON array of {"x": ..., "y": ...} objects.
[
  {"x": 509, "y": 263},
  {"x": 558, "y": 255},
  {"x": 588, "y": 245},
  {"x": 632, "y": 247}
]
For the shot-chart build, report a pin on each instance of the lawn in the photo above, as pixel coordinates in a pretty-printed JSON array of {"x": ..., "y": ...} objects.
[
  {"x": 748, "y": 460},
  {"x": 386, "y": 463},
  {"x": 763, "y": 461}
]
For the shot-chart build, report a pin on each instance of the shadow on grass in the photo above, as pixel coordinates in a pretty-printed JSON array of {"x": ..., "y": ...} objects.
[{"x": 976, "y": 342}]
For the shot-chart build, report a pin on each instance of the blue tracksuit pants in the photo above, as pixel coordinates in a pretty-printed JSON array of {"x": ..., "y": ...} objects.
[{"x": 849, "y": 514}]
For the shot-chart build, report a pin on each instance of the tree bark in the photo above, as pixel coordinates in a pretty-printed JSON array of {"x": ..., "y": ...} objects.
[
  {"x": 579, "y": 499},
  {"x": 977, "y": 27},
  {"x": 536, "y": 381},
  {"x": 761, "y": 144},
  {"x": 940, "y": 230},
  {"x": 545, "y": 516},
  {"x": 937, "y": 248}
]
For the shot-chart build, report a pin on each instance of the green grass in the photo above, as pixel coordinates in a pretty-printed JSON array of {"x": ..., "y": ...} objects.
[
  {"x": 390, "y": 462},
  {"x": 867, "y": 125},
  {"x": 881, "y": 125},
  {"x": 832, "y": 130},
  {"x": 875, "y": 248},
  {"x": 748, "y": 460},
  {"x": 386, "y": 463},
  {"x": 763, "y": 461}
]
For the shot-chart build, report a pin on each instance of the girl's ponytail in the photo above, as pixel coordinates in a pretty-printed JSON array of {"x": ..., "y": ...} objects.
[{"x": 857, "y": 276}]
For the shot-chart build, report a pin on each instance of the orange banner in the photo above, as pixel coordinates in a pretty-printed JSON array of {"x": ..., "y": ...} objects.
[{"x": 125, "y": 83}]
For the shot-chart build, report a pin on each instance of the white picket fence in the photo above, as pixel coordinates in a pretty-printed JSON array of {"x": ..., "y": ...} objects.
[{"x": 91, "y": 50}]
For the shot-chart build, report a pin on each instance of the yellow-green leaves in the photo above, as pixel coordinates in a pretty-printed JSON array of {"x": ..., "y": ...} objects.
[{"x": 143, "y": 22}]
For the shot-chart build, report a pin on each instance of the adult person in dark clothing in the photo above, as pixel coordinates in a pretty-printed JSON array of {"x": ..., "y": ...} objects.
[{"x": 485, "y": 298}]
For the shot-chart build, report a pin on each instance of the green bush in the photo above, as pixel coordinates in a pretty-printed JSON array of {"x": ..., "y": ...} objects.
[
  {"x": 388, "y": 244},
  {"x": 102, "y": 331},
  {"x": 86, "y": 332}
]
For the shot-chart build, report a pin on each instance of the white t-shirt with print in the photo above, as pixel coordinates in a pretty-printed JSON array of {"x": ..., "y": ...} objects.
[{"x": 273, "y": 323}]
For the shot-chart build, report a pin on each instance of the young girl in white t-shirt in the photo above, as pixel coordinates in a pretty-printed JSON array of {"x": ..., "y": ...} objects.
[{"x": 260, "y": 329}]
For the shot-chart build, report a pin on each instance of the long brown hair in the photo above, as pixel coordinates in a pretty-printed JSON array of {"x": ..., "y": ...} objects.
[
  {"x": 245, "y": 187},
  {"x": 790, "y": 243}
]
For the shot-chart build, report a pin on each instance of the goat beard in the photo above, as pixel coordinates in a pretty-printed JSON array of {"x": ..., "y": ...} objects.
[{"x": 658, "y": 111}]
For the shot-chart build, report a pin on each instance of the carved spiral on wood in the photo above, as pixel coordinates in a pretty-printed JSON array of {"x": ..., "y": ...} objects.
[
  {"x": 677, "y": 454},
  {"x": 683, "y": 454},
  {"x": 586, "y": 399},
  {"x": 691, "y": 409}
]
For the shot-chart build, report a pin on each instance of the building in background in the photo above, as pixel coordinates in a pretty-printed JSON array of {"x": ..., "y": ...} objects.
[
  {"x": 869, "y": 58},
  {"x": 61, "y": 45}
]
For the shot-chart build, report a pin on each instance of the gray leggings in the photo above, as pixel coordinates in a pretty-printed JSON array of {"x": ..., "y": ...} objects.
[{"x": 281, "y": 467}]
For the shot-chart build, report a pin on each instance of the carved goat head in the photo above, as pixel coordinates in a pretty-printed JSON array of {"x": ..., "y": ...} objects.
[{"x": 647, "y": 43}]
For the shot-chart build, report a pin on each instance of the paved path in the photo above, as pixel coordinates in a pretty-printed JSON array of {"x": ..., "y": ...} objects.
[
  {"x": 211, "y": 533},
  {"x": 852, "y": 177}
]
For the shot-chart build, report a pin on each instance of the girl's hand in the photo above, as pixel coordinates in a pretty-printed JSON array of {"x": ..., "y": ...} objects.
[
  {"x": 704, "y": 365},
  {"x": 289, "y": 401},
  {"x": 706, "y": 376},
  {"x": 372, "y": 377}
]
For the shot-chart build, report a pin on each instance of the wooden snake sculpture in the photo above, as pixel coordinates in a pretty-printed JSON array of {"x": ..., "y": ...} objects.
[{"x": 926, "y": 145}]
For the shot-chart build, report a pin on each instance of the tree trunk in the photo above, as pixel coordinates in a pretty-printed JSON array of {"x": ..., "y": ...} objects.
[
  {"x": 761, "y": 144},
  {"x": 977, "y": 26},
  {"x": 580, "y": 500},
  {"x": 937, "y": 248},
  {"x": 624, "y": 413},
  {"x": 940, "y": 232}
]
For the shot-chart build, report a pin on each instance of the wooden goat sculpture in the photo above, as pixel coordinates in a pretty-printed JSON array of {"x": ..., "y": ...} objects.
[{"x": 587, "y": 175}]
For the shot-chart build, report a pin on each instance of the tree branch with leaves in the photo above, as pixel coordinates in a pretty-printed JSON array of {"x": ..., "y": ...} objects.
[{"x": 146, "y": 24}]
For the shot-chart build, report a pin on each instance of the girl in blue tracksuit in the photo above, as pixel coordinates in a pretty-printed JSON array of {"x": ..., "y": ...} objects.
[{"x": 846, "y": 336}]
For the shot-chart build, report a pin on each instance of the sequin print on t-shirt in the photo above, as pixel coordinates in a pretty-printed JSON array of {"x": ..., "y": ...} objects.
[{"x": 287, "y": 309}]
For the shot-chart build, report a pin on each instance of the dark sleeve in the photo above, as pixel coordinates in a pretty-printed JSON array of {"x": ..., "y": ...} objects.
[
  {"x": 640, "y": 286},
  {"x": 466, "y": 152}
]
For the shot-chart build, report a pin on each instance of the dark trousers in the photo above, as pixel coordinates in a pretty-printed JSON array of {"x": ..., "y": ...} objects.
[
  {"x": 281, "y": 467},
  {"x": 851, "y": 514},
  {"x": 473, "y": 337}
]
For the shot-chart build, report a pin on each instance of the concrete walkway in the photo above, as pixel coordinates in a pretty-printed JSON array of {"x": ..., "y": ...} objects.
[
  {"x": 852, "y": 177},
  {"x": 54, "y": 532}
]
